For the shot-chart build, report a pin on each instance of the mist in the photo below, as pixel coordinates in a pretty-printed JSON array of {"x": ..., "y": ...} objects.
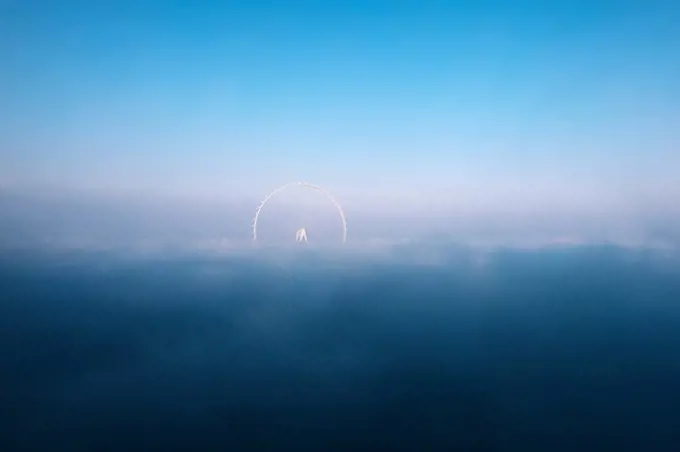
[{"x": 89, "y": 219}]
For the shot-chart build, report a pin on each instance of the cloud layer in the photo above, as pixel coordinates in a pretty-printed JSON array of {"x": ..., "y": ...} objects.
[{"x": 558, "y": 350}]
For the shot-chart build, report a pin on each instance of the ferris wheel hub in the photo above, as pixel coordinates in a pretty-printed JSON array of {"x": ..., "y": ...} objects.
[{"x": 301, "y": 235}]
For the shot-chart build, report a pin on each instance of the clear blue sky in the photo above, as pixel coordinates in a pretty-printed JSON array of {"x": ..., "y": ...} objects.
[{"x": 477, "y": 103}]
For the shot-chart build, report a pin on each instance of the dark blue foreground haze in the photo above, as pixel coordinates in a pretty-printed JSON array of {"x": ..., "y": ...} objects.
[{"x": 556, "y": 350}]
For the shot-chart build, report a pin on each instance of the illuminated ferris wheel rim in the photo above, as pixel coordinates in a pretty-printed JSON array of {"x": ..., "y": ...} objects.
[{"x": 303, "y": 184}]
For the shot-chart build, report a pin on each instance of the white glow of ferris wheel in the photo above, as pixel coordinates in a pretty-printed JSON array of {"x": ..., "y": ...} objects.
[{"x": 301, "y": 234}]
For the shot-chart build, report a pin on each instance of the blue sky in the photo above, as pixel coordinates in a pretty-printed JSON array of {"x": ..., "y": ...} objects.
[{"x": 468, "y": 106}]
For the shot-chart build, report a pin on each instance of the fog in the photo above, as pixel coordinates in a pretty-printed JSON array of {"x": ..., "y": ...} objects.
[
  {"x": 571, "y": 348},
  {"x": 40, "y": 218}
]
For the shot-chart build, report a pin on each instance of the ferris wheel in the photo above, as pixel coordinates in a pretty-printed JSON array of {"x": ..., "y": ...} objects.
[{"x": 301, "y": 234}]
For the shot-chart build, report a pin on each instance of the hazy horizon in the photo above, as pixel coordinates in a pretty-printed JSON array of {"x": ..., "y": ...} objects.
[{"x": 79, "y": 218}]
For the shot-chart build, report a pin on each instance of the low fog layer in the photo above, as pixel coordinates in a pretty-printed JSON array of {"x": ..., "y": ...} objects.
[
  {"x": 95, "y": 220},
  {"x": 570, "y": 349}
]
